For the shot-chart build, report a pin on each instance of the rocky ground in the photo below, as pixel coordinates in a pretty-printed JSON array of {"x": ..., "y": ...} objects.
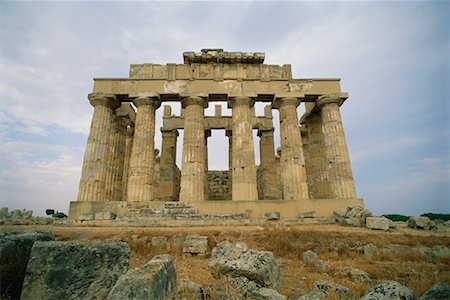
[{"x": 354, "y": 259}]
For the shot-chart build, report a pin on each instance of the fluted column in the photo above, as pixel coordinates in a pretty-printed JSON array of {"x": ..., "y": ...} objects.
[
  {"x": 267, "y": 166},
  {"x": 243, "y": 157},
  {"x": 229, "y": 134},
  {"x": 292, "y": 162},
  {"x": 335, "y": 147},
  {"x": 142, "y": 162},
  {"x": 95, "y": 170},
  {"x": 126, "y": 162},
  {"x": 193, "y": 161},
  {"x": 169, "y": 189},
  {"x": 206, "y": 184}
]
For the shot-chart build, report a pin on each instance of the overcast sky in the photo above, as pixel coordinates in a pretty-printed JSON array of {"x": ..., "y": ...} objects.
[{"x": 393, "y": 59}]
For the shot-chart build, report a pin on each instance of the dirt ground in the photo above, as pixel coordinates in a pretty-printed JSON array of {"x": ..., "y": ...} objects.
[{"x": 400, "y": 256}]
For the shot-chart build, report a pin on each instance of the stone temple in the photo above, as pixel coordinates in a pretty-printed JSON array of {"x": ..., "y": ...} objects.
[{"x": 122, "y": 171}]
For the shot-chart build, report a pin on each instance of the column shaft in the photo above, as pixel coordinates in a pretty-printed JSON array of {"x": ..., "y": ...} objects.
[
  {"x": 126, "y": 162},
  {"x": 335, "y": 148},
  {"x": 243, "y": 157},
  {"x": 292, "y": 162},
  {"x": 169, "y": 177},
  {"x": 95, "y": 170},
  {"x": 193, "y": 163},
  {"x": 269, "y": 180},
  {"x": 142, "y": 162}
]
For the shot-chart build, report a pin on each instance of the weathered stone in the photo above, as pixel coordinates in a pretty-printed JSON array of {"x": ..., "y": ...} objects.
[
  {"x": 339, "y": 214},
  {"x": 354, "y": 222},
  {"x": 195, "y": 245},
  {"x": 437, "y": 253},
  {"x": 377, "y": 223},
  {"x": 314, "y": 295},
  {"x": 367, "y": 250},
  {"x": 159, "y": 241},
  {"x": 356, "y": 274},
  {"x": 439, "y": 291},
  {"x": 309, "y": 257},
  {"x": 188, "y": 290},
  {"x": 241, "y": 287},
  {"x": 155, "y": 280},
  {"x": 85, "y": 217},
  {"x": 104, "y": 215},
  {"x": 237, "y": 260},
  {"x": 15, "y": 251},
  {"x": 272, "y": 216},
  {"x": 308, "y": 214},
  {"x": 331, "y": 287},
  {"x": 74, "y": 270},
  {"x": 421, "y": 223},
  {"x": 267, "y": 294},
  {"x": 389, "y": 290}
]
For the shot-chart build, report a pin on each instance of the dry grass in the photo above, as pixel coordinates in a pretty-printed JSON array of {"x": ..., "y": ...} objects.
[{"x": 334, "y": 244}]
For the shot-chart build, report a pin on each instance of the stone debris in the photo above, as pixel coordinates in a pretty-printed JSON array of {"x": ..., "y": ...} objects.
[
  {"x": 188, "y": 290},
  {"x": 314, "y": 295},
  {"x": 159, "y": 241},
  {"x": 15, "y": 251},
  {"x": 272, "y": 216},
  {"x": 235, "y": 260},
  {"x": 195, "y": 245},
  {"x": 223, "y": 57},
  {"x": 367, "y": 250},
  {"x": 311, "y": 259},
  {"x": 378, "y": 223},
  {"x": 389, "y": 290},
  {"x": 74, "y": 270},
  {"x": 21, "y": 217},
  {"x": 439, "y": 291},
  {"x": 331, "y": 287},
  {"x": 437, "y": 253},
  {"x": 356, "y": 216},
  {"x": 354, "y": 273},
  {"x": 421, "y": 223},
  {"x": 156, "y": 280}
]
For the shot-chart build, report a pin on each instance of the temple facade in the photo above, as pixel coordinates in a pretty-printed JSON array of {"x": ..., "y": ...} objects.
[{"x": 122, "y": 170}]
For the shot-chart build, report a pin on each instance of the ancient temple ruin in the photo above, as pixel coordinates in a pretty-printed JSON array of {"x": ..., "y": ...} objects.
[{"x": 122, "y": 171}]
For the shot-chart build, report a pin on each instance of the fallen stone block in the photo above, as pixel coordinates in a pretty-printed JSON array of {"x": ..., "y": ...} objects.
[
  {"x": 195, "y": 245},
  {"x": 15, "y": 251},
  {"x": 421, "y": 223},
  {"x": 437, "y": 253},
  {"x": 309, "y": 257},
  {"x": 74, "y": 270},
  {"x": 188, "y": 290},
  {"x": 229, "y": 259},
  {"x": 377, "y": 223},
  {"x": 157, "y": 280},
  {"x": 389, "y": 290},
  {"x": 439, "y": 291},
  {"x": 356, "y": 274}
]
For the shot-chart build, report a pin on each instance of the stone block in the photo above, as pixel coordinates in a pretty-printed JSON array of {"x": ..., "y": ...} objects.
[
  {"x": 439, "y": 291},
  {"x": 421, "y": 223},
  {"x": 188, "y": 290},
  {"x": 229, "y": 259},
  {"x": 15, "y": 251},
  {"x": 377, "y": 223},
  {"x": 309, "y": 257},
  {"x": 355, "y": 274},
  {"x": 195, "y": 245},
  {"x": 74, "y": 270},
  {"x": 157, "y": 280},
  {"x": 272, "y": 216},
  {"x": 85, "y": 217},
  {"x": 159, "y": 241},
  {"x": 308, "y": 214},
  {"x": 104, "y": 215},
  {"x": 389, "y": 290}
]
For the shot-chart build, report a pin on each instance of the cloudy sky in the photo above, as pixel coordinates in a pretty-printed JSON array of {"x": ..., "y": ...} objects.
[{"x": 393, "y": 59}]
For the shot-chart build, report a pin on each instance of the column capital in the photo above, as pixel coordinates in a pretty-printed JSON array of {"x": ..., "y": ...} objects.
[
  {"x": 194, "y": 100},
  {"x": 169, "y": 132},
  {"x": 104, "y": 99},
  {"x": 265, "y": 132},
  {"x": 241, "y": 100},
  {"x": 152, "y": 101},
  {"x": 280, "y": 102},
  {"x": 329, "y": 99}
]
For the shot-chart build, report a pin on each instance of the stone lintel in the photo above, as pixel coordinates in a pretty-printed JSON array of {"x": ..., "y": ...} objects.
[
  {"x": 211, "y": 122},
  {"x": 207, "y": 56}
]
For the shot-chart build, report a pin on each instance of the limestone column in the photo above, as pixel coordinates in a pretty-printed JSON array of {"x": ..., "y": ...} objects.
[
  {"x": 292, "y": 162},
  {"x": 267, "y": 166},
  {"x": 193, "y": 162},
  {"x": 206, "y": 184},
  {"x": 243, "y": 157},
  {"x": 229, "y": 134},
  {"x": 169, "y": 190},
  {"x": 335, "y": 147},
  {"x": 140, "y": 188},
  {"x": 126, "y": 162},
  {"x": 95, "y": 170}
]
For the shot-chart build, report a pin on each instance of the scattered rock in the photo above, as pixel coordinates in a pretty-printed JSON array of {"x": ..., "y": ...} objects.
[
  {"x": 367, "y": 250},
  {"x": 159, "y": 241},
  {"x": 356, "y": 216},
  {"x": 241, "y": 287},
  {"x": 353, "y": 222},
  {"x": 377, "y": 223},
  {"x": 314, "y": 295},
  {"x": 309, "y": 257},
  {"x": 400, "y": 224},
  {"x": 356, "y": 274},
  {"x": 195, "y": 245},
  {"x": 421, "y": 223},
  {"x": 389, "y": 290},
  {"x": 339, "y": 214},
  {"x": 156, "y": 280},
  {"x": 439, "y": 291},
  {"x": 229, "y": 259},
  {"x": 328, "y": 286},
  {"x": 15, "y": 251},
  {"x": 74, "y": 270},
  {"x": 272, "y": 216},
  {"x": 188, "y": 290},
  {"x": 437, "y": 253}
]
